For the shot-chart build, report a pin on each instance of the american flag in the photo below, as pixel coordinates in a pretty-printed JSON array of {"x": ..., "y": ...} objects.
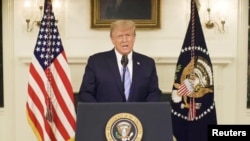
[{"x": 50, "y": 103}]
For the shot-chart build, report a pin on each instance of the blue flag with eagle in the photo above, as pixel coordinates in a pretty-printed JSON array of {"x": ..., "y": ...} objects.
[{"x": 193, "y": 106}]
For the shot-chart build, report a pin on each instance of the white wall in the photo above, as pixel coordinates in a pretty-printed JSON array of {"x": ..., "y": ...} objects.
[{"x": 228, "y": 52}]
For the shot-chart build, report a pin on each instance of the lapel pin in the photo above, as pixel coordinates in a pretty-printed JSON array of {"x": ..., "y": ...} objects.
[{"x": 138, "y": 63}]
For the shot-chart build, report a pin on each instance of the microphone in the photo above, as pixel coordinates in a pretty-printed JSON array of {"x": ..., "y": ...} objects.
[{"x": 124, "y": 60}]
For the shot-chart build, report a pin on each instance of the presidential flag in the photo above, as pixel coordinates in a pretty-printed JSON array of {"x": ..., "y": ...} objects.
[
  {"x": 193, "y": 106},
  {"x": 50, "y": 103}
]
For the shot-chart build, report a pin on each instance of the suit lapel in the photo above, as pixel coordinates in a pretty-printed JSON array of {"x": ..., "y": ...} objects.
[
  {"x": 135, "y": 77},
  {"x": 115, "y": 71}
]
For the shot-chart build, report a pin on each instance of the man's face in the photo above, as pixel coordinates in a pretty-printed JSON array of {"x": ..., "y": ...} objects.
[{"x": 123, "y": 40}]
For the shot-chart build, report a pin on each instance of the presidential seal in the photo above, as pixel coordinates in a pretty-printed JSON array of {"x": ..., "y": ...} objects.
[{"x": 124, "y": 127}]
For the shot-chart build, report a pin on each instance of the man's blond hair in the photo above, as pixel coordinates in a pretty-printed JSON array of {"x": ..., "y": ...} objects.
[{"x": 122, "y": 24}]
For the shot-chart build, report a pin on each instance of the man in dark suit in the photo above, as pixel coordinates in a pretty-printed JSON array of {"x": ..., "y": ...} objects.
[{"x": 102, "y": 80}]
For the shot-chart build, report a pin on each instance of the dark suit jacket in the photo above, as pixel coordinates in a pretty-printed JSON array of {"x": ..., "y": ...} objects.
[{"x": 102, "y": 81}]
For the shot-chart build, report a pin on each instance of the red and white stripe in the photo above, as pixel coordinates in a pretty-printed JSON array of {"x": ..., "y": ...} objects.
[
  {"x": 60, "y": 92},
  {"x": 185, "y": 88}
]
